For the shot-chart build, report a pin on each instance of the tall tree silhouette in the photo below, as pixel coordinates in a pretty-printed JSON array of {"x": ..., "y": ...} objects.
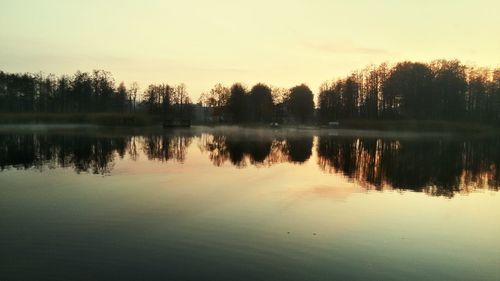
[
  {"x": 410, "y": 86},
  {"x": 216, "y": 99},
  {"x": 301, "y": 103},
  {"x": 449, "y": 86},
  {"x": 261, "y": 103},
  {"x": 237, "y": 104}
]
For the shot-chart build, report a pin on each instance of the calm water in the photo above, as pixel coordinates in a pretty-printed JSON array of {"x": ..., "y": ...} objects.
[{"x": 250, "y": 205}]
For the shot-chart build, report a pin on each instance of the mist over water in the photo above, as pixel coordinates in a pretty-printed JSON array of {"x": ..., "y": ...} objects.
[{"x": 247, "y": 204}]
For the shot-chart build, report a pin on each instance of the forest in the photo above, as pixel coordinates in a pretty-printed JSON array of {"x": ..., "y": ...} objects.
[{"x": 440, "y": 90}]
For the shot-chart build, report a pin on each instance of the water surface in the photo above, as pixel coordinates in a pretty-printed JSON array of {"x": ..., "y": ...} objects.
[{"x": 213, "y": 204}]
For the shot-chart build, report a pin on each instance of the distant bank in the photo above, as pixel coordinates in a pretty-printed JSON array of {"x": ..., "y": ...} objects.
[{"x": 139, "y": 120}]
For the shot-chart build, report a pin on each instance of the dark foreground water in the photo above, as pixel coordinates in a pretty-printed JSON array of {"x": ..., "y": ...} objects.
[{"x": 207, "y": 204}]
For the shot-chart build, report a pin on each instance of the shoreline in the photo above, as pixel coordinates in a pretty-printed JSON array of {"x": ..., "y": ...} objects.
[
  {"x": 246, "y": 132},
  {"x": 138, "y": 122}
]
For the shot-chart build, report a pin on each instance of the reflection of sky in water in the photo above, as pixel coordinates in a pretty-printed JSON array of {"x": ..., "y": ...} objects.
[{"x": 152, "y": 218}]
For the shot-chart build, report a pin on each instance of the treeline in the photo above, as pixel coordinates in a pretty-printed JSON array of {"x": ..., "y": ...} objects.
[
  {"x": 85, "y": 93},
  {"x": 440, "y": 90},
  {"x": 172, "y": 101},
  {"x": 261, "y": 103},
  {"x": 82, "y": 92}
]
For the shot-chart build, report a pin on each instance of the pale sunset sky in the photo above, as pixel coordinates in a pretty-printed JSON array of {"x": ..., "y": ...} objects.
[{"x": 280, "y": 43}]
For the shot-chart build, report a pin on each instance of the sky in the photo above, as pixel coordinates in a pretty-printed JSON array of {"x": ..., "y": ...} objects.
[{"x": 280, "y": 43}]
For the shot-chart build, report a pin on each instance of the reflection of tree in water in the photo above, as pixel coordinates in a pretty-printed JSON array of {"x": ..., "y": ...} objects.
[
  {"x": 439, "y": 167},
  {"x": 82, "y": 153},
  {"x": 133, "y": 151},
  {"x": 482, "y": 164},
  {"x": 166, "y": 147},
  {"x": 436, "y": 166},
  {"x": 299, "y": 149},
  {"x": 242, "y": 150},
  {"x": 215, "y": 146},
  {"x": 85, "y": 153}
]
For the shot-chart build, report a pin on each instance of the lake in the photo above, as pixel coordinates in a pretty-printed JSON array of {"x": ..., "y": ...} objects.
[{"x": 247, "y": 204}]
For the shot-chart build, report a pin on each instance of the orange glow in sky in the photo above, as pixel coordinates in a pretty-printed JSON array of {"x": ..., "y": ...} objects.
[{"x": 282, "y": 43}]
